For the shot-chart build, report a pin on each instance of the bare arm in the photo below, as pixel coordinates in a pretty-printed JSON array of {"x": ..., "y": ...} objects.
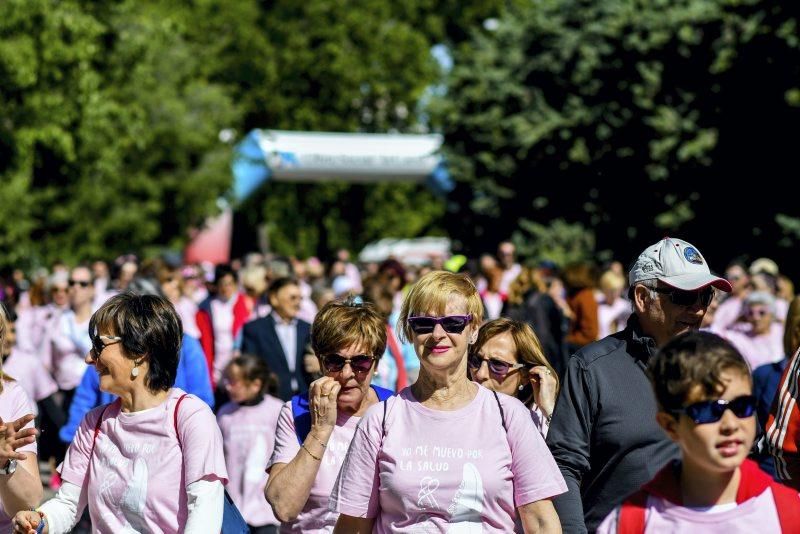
[
  {"x": 347, "y": 524},
  {"x": 21, "y": 490},
  {"x": 539, "y": 517},
  {"x": 290, "y": 484}
]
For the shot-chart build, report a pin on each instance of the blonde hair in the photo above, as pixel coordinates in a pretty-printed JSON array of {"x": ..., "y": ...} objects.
[
  {"x": 527, "y": 279},
  {"x": 612, "y": 281},
  {"x": 528, "y": 348},
  {"x": 432, "y": 293}
]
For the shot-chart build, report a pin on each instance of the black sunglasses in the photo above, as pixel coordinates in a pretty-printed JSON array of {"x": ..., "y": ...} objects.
[
  {"x": 496, "y": 367},
  {"x": 82, "y": 283},
  {"x": 452, "y": 324},
  {"x": 360, "y": 363},
  {"x": 98, "y": 346},
  {"x": 711, "y": 411},
  {"x": 679, "y": 297}
]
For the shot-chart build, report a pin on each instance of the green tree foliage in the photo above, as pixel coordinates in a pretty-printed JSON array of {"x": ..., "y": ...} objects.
[
  {"x": 108, "y": 129},
  {"x": 632, "y": 118}
]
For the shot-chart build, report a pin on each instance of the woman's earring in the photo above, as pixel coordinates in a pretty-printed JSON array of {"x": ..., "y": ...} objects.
[
  {"x": 135, "y": 371},
  {"x": 521, "y": 387}
]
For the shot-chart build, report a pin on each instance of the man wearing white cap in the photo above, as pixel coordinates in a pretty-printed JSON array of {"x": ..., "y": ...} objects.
[{"x": 604, "y": 434}]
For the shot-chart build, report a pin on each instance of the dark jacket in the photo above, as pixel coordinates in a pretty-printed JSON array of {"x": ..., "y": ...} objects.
[
  {"x": 541, "y": 312},
  {"x": 604, "y": 435},
  {"x": 260, "y": 338}
]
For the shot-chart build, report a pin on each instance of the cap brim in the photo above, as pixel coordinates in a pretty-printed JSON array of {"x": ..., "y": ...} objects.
[{"x": 694, "y": 281}]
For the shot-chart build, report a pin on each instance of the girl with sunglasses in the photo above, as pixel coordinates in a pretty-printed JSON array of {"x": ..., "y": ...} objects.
[
  {"x": 507, "y": 357},
  {"x": 445, "y": 454},
  {"x": 706, "y": 406},
  {"x": 315, "y": 428}
]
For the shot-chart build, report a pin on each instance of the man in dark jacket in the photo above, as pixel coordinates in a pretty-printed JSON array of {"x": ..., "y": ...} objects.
[{"x": 604, "y": 434}]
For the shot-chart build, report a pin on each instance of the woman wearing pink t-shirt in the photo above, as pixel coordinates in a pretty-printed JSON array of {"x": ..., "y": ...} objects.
[
  {"x": 151, "y": 461},
  {"x": 508, "y": 358},
  {"x": 314, "y": 429},
  {"x": 20, "y": 487},
  {"x": 445, "y": 454}
]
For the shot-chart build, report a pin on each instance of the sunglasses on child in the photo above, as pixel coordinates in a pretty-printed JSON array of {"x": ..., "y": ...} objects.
[
  {"x": 679, "y": 297},
  {"x": 360, "y": 363},
  {"x": 452, "y": 324},
  {"x": 496, "y": 367},
  {"x": 711, "y": 411}
]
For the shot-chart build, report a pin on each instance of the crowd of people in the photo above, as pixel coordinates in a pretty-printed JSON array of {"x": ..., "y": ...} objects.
[{"x": 278, "y": 394}]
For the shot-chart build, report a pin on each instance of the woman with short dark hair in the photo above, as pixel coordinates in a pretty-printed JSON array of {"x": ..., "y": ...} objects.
[{"x": 152, "y": 461}]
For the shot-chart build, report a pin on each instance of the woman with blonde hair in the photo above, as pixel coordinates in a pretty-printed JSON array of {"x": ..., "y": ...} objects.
[
  {"x": 446, "y": 454},
  {"x": 508, "y": 358},
  {"x": 20, "y": 486}
]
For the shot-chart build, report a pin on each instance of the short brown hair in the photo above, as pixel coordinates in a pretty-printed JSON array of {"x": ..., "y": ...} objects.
[
  {"x": 346, "y": 323},
  {"x": 529, "y": 349},
  {"x": 430, "y": 295},
  {"x": 149, "y": 327},
  {"x": 690, "y": 360}
]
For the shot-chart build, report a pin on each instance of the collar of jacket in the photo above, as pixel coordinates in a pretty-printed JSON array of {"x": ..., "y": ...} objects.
[{"x": 641, "y": 346}]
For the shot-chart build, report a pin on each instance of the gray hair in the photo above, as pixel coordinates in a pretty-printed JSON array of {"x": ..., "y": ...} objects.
[{"x": 651, "y": 284}]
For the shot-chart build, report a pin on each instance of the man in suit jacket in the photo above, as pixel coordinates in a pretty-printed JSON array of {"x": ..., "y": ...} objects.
[{"x": 280, "y": 338}]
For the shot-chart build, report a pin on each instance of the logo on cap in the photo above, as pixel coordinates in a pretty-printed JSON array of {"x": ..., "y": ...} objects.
[{"x": 692, "y": 256}]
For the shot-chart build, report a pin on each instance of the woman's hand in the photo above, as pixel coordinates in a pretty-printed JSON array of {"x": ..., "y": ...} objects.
[
  {"x": 322, "y": 398},
  {"x": 544, "y": 389},
  {"x": 13, "y": 435},
  {"x": 27, "y": 521}
]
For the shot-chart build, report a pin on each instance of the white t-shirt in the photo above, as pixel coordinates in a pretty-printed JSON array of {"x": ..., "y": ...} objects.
[{"x": 14, "y": 403}]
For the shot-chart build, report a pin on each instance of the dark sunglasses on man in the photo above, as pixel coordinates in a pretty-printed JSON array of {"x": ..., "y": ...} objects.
[
  {"x": 679, "y": 297},
  {"x": 83, "y": 283}
]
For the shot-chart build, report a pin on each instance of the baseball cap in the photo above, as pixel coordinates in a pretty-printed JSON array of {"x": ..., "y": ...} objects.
[{"x": 676, "y": 263}]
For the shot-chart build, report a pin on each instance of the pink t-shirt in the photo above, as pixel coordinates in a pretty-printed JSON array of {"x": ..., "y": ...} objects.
[
  {"x": 70, "y": 345},
  {"x": 136, "y": 478},
  {"x": 29, "y": 373},
  {"x": 315, "y": 516},
  {"x": 755, "y": 515},
  {"x": 758, "y": 350},
  {"x": 436, "y": 469},
  {"x": 14, "y": 403},
  {"x": 248, "y": 435}
]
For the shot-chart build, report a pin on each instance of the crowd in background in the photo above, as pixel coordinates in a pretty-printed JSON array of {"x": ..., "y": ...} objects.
[{"x": 264, "y": 305}]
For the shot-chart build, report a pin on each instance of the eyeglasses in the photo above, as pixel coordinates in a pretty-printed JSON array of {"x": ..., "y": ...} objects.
[
  {"x": 98, "y": 346},
  {"x": 711, "y": 411},
  {"x": 452, "y": 324},
  {"x": 496, "y": 367},
  {"x": 360, "y": 363},
  {"x": 59, "y": 290},
  {"x": 82, "y": 283},
  {"x": 680, "y": 297}
]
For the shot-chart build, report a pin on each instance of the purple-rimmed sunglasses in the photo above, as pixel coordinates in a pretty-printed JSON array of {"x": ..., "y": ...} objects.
[{"x": 452, "y": 324}]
